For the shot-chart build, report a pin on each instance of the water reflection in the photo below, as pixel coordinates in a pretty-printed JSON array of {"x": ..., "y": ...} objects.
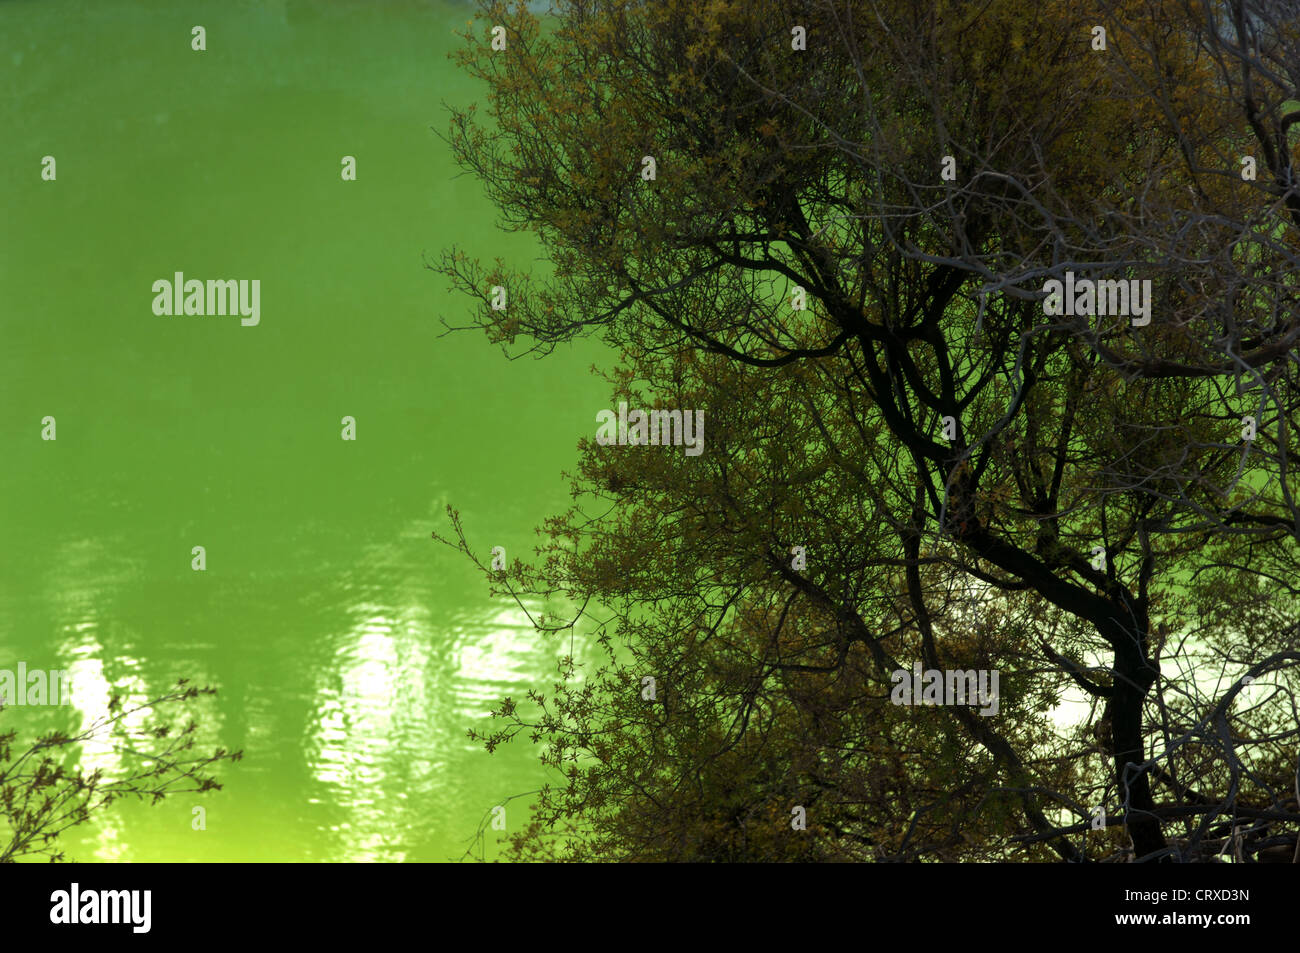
[{"x": 386, "y": 745}]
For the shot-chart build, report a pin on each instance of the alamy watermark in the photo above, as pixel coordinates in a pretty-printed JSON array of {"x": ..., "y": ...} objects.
[
  {"x": 655, "y": 428},
  {"x": 34, "y": 687},
  {"x": 75, "y": 905},
  {"x": 213, "y": 297},
  {"x": 1086, "y": 297},
  {"x": 951, "y": 687}
]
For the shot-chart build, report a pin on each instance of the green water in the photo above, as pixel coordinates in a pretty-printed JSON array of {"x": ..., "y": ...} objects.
[{"x": 351, "y": 651}]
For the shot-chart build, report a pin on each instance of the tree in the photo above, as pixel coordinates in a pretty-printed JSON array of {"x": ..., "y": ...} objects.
[
  {"x": 44, "y": 791},
  {"x": 985, "y": 470}
]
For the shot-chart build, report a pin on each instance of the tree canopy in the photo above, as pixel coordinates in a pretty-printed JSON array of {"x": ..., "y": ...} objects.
[{"x": 834, "y": 227}]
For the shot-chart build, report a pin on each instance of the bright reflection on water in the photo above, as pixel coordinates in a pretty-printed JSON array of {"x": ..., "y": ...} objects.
[{"x": 384, "y": 743}]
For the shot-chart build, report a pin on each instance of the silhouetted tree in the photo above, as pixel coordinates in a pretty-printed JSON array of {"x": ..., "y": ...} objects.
[{"x": 982, "y": 475}]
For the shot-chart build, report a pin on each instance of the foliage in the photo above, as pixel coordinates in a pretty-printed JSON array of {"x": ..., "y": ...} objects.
[
  {"x": 44, "y": 791},
  {"x": 1076, "y": 435}
]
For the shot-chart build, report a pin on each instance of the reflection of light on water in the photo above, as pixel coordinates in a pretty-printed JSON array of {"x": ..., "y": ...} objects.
[
  {"x": 90, "y": 693},
  {"x": 374, "y": 693},
  {"x": 110, "y": 842},
  {"x": 494, "y": 657},
  {"x": 392, "y": 669},
  {"x": 363, "y": 710},
  {"x": 390, "y": 714},
  {"x": 83, "y": 588}
]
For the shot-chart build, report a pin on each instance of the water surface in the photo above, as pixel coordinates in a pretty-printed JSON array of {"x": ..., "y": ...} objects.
[{"x": 350, "y": 650}]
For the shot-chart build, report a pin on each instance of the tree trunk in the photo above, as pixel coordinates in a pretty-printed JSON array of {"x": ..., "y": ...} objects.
[{"x": 1134, "y": 676}]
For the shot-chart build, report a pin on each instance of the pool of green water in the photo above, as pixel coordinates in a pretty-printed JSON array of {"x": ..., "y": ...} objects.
[{"x": 351, "y": 652}]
